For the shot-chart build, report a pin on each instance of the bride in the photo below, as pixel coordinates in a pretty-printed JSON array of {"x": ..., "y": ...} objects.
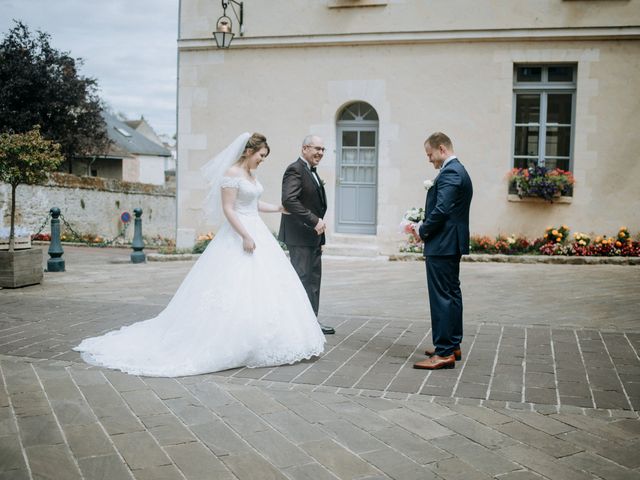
[{"x": 241, "y": 304}]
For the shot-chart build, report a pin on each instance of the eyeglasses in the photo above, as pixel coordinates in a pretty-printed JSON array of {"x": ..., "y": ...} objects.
[{"x": 317, "y": 149}]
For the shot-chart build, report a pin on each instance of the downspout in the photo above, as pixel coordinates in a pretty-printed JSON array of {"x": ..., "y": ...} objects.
[
  {"x": 93, "y": 159},
  {"x": 177, "y": 115}
]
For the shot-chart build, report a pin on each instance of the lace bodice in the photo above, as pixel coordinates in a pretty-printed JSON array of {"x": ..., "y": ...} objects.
[{"x": 248, "y": 194}]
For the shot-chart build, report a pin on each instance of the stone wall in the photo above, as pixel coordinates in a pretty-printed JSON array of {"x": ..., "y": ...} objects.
[{"x": 92, "y": 205}]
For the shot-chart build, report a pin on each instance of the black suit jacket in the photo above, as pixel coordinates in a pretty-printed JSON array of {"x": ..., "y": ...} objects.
[
  {"x": 445, "y": 230},
  {"x": 306, "y": 202}
]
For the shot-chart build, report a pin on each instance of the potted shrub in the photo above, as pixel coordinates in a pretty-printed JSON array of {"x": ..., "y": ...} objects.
[
  {"x": 25, "y": 158},
  {"x": 540, "y": 182}
]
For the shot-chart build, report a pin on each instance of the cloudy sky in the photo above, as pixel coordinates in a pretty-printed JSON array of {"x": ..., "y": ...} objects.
[{"x": 129, "y": 46}]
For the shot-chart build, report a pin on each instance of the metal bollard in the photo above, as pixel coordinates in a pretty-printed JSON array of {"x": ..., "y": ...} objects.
[
  {"x": 56, "y": 262},
  {"x": 137, "y": 244}
]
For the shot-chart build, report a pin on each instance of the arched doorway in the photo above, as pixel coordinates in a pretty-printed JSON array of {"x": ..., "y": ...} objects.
[{"x": 357, "y": 169}]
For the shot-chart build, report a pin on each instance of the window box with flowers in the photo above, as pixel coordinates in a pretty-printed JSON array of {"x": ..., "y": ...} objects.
[{"x": 538, "y": 182}]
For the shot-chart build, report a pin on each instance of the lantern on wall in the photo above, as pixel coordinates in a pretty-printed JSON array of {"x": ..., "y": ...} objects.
[{"x": 224, "y": 27}]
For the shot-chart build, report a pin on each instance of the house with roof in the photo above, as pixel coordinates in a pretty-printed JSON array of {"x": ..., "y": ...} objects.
[
  {"x": 142, "y": 126},
  {"x": 132, "y": 155}
]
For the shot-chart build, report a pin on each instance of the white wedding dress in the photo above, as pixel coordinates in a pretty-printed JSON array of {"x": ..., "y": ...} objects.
[{"x": 233, "y": 309}]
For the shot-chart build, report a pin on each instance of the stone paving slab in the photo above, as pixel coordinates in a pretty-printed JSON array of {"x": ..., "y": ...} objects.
[
  {"x": 354, "y": 436},
  {"x": 522, "y": 373},
  {"x": 548, "y": 386}
]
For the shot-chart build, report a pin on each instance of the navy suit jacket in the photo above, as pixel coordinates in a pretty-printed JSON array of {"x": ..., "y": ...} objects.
[{"x": 445, "y": 230}]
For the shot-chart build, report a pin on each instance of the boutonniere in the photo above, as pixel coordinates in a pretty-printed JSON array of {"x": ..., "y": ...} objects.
[
  {"x": 427, "y": 184},
  {"x": 322, "y": 182}
]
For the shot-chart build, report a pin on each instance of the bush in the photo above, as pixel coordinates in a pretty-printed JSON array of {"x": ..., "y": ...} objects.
[{"x": 556, "y": 234}]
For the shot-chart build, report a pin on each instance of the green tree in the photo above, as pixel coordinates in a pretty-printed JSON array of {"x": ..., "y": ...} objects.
[
  {"x": 25, "y": 158},
  {"x": 40, "y": 85}
]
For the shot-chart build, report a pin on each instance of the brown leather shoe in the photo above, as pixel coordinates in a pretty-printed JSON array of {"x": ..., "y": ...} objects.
[
  {"x": 430, "y": 352},
  {"x": 436, "y": 362}
]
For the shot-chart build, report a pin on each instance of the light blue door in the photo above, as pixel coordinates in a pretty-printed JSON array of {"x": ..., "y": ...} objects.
[{"x": 357, "y": 170}]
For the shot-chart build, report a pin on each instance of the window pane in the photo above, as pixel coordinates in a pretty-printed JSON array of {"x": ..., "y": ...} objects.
[
  {"x": 347, "y": 113},
  {"x": 368, "y": 175},
  {"x": 349, "y": 174},
  {"x": 559, "y": 108},
  {"x": 368, "y": 156},
  {"x": 529, "y": 74},
  {"x": 370, "y": 115},
  {"x": 558, "y": 141},
  {"x": 526, "y": 141},
  {"x": 528, "y": 108},
  {"x": 561, "y": 163},
  {"x": 350, "y": 156},
  {"x": 561, "y": 73},
  {"x": 367, "y": 139},
  {"x": 524, "y": 162},
  {"x": 349, "y": 139}
]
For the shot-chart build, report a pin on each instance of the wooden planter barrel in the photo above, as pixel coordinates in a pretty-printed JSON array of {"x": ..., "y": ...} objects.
[
  {"x": 21, "y": 267},
  {"x": 19, "y": 243}
]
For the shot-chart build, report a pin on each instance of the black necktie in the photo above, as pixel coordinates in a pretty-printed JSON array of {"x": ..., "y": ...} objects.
[{"x": 314, "y": 174}]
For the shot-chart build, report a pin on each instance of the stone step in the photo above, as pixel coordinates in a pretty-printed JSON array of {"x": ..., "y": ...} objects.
[
  {"x": 351, "y": 239},
  {"x": 350, "y": 250}
]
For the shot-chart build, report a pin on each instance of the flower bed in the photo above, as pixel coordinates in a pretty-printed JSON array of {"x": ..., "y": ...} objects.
[
  {"x": 555, "y": 241},
  {"x": 95, "y": 240},
  {"x": 510, "y": 245},
  {"x": 202, "y": 242}
]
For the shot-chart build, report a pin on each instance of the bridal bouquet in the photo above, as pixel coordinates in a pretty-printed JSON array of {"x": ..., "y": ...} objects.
[{"x": 410, "y": 218}]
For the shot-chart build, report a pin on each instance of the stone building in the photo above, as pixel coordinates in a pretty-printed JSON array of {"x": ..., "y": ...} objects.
[{"x": 554, "y": 82}]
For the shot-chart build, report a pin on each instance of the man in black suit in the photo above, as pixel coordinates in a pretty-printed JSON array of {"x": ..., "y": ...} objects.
[
  {"x": 445, "y": 233},
  {"x": 302, "y": 230}
]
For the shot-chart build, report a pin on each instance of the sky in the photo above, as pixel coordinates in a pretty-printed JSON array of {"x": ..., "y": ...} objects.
[{"x": 128, "y": 46}]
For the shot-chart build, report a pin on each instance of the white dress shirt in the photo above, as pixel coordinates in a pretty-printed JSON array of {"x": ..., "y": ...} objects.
[
  {"x": 448, "y": 159},
  {"x": 313, "y": 174}
]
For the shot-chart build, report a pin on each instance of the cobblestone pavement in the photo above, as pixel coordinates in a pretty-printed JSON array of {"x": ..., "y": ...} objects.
[{"x": 548, "y": 387}]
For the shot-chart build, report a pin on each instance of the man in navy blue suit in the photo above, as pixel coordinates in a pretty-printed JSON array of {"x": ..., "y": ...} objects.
[{"x": 445, "y": 233}]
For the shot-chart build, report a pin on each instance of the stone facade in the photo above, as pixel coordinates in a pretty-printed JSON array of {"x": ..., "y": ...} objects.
[
  {"x": 423, "y": 66},
  {"x": 92, "y": 205}
]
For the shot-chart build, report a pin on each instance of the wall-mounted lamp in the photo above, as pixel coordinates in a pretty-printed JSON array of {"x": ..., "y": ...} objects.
[{"x": 224, "y": 27}]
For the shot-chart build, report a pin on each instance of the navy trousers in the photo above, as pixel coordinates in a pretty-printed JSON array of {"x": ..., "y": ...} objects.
[{"x": 445, "y": 303}]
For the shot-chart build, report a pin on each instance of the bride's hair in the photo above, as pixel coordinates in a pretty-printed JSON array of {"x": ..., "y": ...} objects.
[{"x": 255, "y": 143}]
